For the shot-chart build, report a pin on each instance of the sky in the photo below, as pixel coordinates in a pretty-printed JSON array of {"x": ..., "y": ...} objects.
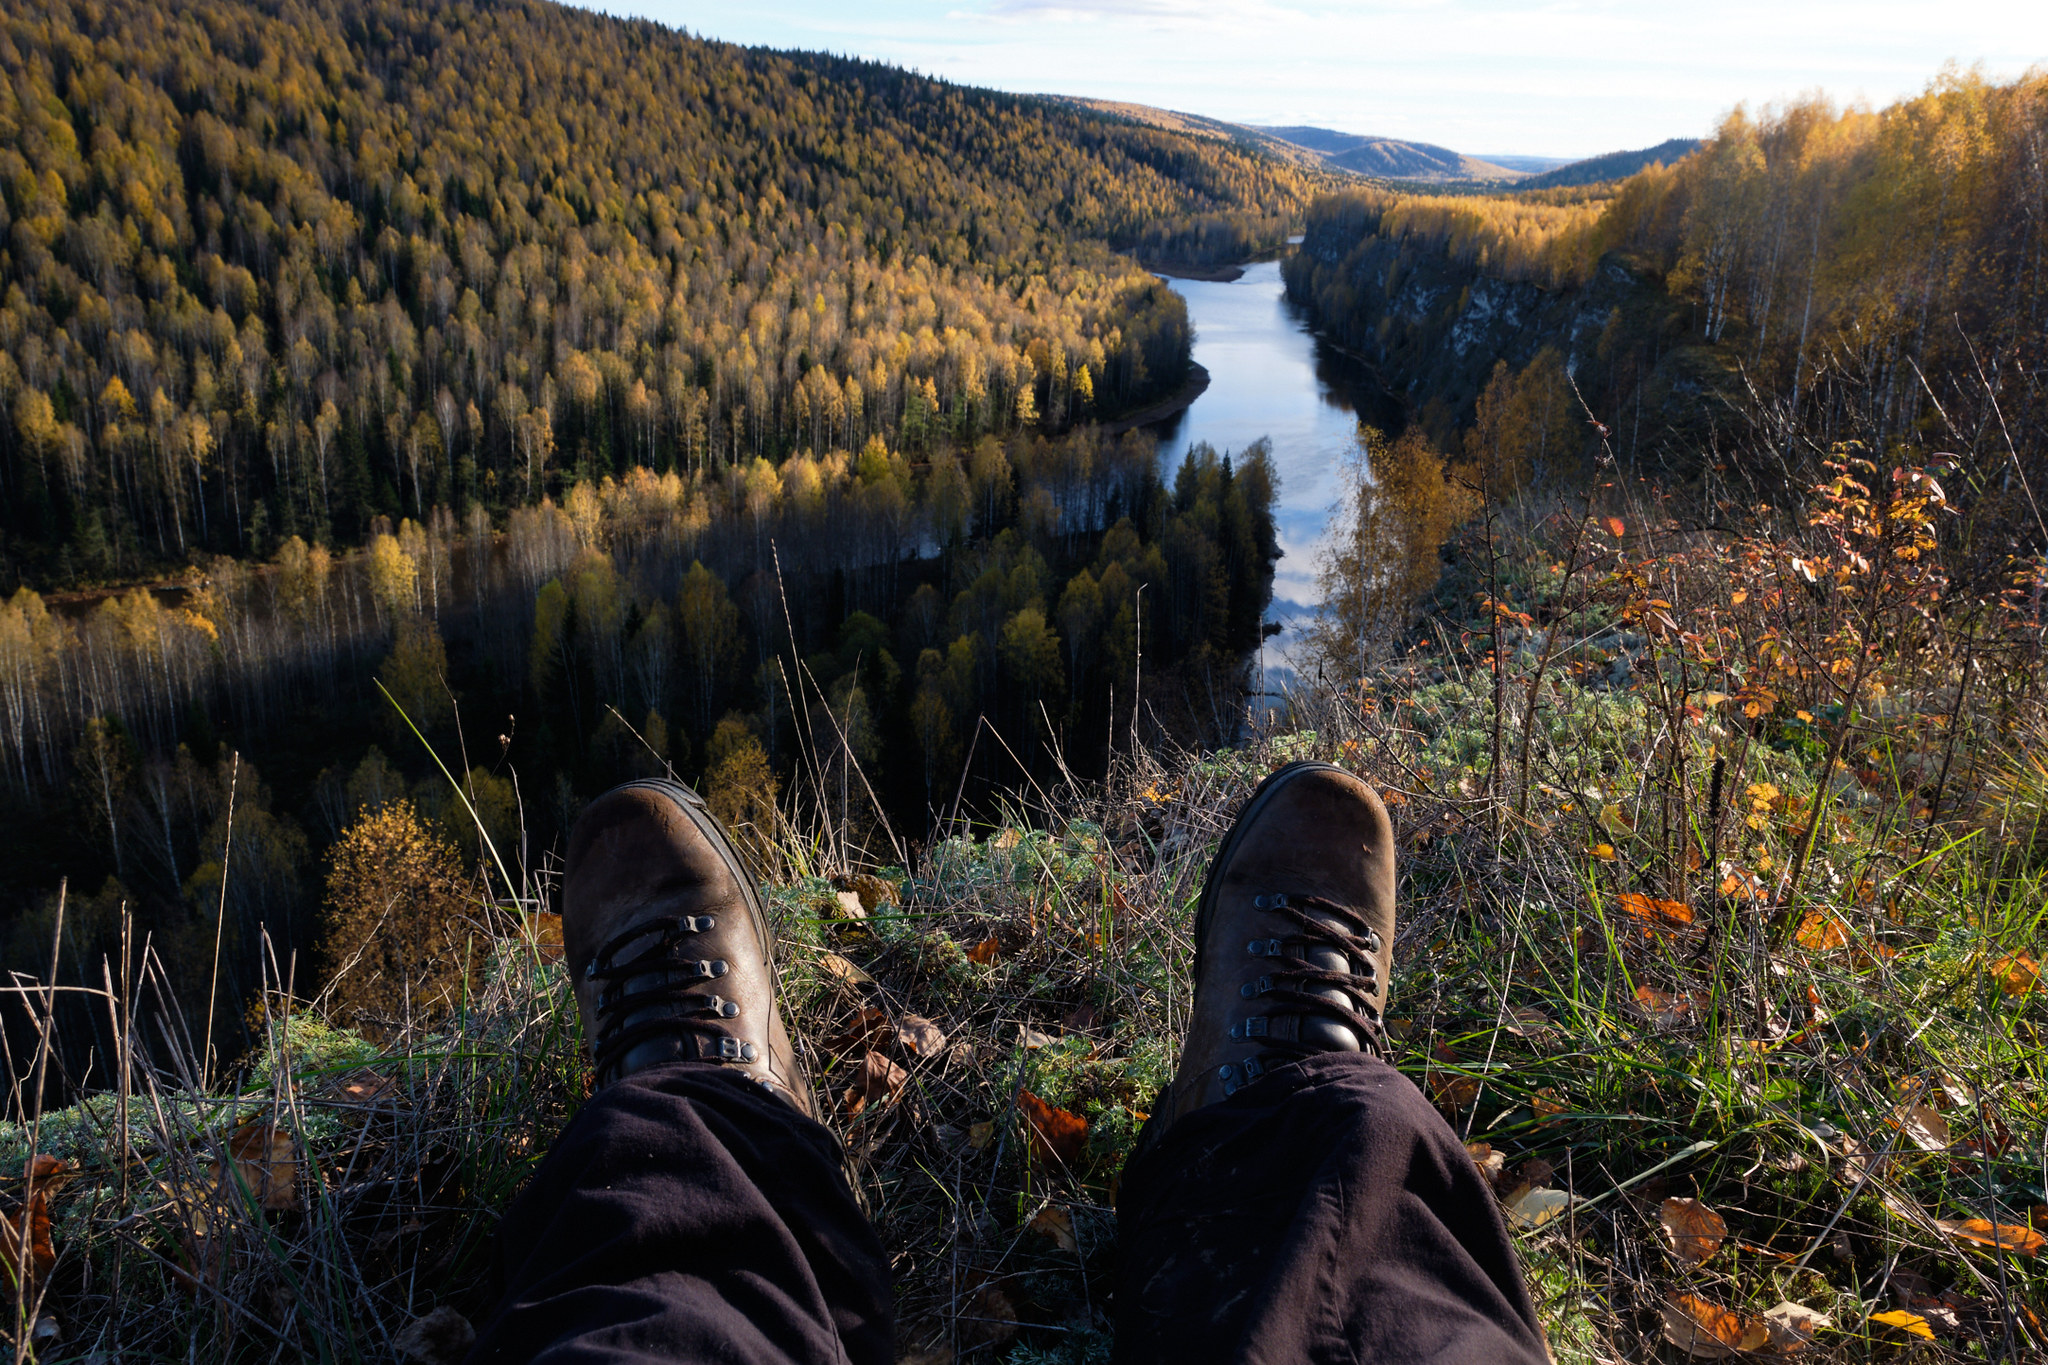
[{"x": 1565, "y": 78}]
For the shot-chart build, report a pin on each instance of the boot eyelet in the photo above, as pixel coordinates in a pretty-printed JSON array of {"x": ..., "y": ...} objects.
[
  {"x": 1258, "y": 902},
  {"x": 1259, "y": 987},
  {"x": 1253, "y": 1068},
  {"x": 730, "y": 1009},
  {"x": 1225, "y": 1071},
  {"x": 716, "y": 968}
]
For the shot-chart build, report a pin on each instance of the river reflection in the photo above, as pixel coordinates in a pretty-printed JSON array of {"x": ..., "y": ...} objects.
[{"x": 1270, "y": 376}]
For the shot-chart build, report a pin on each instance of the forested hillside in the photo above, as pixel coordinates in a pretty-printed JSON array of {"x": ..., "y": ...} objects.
[
  {"x": 1808, "y": 276},
  {"x": 611, "y": 399},
  {"x": 277, "y": 269}
]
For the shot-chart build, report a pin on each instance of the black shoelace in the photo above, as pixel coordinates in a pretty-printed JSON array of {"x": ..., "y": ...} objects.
[
  {"x": 673, "y": 988},
  {"x": 1358, "y": 941}
]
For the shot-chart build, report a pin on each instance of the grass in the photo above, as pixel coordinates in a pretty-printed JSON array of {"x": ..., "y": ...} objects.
[{"x": 1780, "y": 963}]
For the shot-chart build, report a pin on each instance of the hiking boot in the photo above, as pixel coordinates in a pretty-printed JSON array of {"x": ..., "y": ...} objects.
[
  {"x": 1294, "y": 935},
  {"x": 668, "y": 943}
]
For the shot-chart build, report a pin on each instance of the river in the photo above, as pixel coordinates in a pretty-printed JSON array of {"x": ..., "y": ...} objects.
[{"x": 1271, "y": 376}]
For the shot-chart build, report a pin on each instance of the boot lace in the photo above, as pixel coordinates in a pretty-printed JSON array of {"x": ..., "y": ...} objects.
[
  {"x": 674, "y": 982},
  {"x": 1289, "y": 987}
]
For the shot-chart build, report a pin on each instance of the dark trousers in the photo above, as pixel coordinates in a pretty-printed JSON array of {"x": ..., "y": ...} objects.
[{"x": 1323, "y": 1213}]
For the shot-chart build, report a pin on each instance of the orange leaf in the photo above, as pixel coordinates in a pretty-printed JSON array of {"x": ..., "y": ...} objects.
[
  {"x": 2016, "y": 973},
  {"x": 1056, "y": 1135},
  {"x": 1708, "y": 1330},
  {"x": 1616, "y": 527},
  {"x": 1821, "y": 932},
  {"x": 29, "y": 1227},
  {"x": 1448, "y": 1088},
  {"x": 1694, "y": 1230},
  {"x": 2002, "y": 1236},
  {"x": 984, "y": 951},
  {"x": 1658, "y": 913},
  {"x": 1666, "y": 1008}
]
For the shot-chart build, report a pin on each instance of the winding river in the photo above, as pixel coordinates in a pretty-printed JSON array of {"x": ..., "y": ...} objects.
[{"x": 1270, "y": 376}]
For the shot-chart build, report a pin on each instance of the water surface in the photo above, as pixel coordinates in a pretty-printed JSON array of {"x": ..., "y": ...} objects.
[{"x": 1270, "y": 376}]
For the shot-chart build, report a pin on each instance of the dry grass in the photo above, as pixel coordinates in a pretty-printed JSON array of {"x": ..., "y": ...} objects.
[{"x": 1846, "y": 1072}]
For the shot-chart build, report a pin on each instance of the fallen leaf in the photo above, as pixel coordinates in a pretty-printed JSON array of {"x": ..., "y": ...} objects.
[
  {"x": 442, "y": 1337},
  {"x": 1912, "y": 1324},
  {"x": 1082, "y": 1017},
  {"x": 919, "y": 1036},
  {"x": 1526, "y": 1021},
  {"x": 1056, "y": 1135},
  {"x": 1694, "y": 1230},
  {"x": 368, "y": 1086},
  {"x": 847, "y": 906},
  {"x": 1448, "y": 1088},
  {"x": 267, "y": 1162},
  {"x": 1927, "y": 1128},
  {"x": 979, "y": 1135},
  {"x": 1654, "y": 913},
  {"x": 845, "y": 969},
  {"x": 2016, "y": 974},
  {"x": 867, "y": 1030},
  {"x": 875, "y": 893},
  {"x": 2002, "y": 1236},
  {"x": 1793, "y": 1325},
  {"x": 1604, "y": 852},
  {"x": 1487, "y": 1160},
  {"x": 989, "y": 1318},
  {"x": 1708, "y": 1330},
  {"x": 25, "y": 1232},
  {"x": 878, "y": 1081},
  {"x": 1740, "y": 884},
  {"x": 1535, "y": 1205},
  {"x": 1545, "y": 1105},
  {"x": 984, "y": 951},
  {"x": 1033, "y": 1038},
  {"x": 1821, "y": 932},
  {"x": 1055, "y": 1222},
  {"x": 1666, "y": 1009}
]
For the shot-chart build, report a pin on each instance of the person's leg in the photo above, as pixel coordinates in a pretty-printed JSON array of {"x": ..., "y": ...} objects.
[
  {"x": 688, "y": 1214},
  {"x": 694, "y": 1209},
  {"x": 1325, "y": 1212},
  {"x": 1293, "y": 1198}
]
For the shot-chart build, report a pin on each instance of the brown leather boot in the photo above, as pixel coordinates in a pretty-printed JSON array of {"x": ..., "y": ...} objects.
[
  {"x": 668, "y": 943},
  {"x": 1294, "y": 935}
]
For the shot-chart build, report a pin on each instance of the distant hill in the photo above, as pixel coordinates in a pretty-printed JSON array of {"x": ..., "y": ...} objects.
[
  {"x": 1533, "y": 165},
  {"x": 1390, "y": 158},
  {"x": 1324, "y": 148},
  {"x": 1612, "y": 166}
]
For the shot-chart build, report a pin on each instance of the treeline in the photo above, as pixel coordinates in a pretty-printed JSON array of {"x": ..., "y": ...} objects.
[
  {"x": 1808, "y": 276},
  {"x": 275, "y": 270},
  {"x": 831, "y": 639}
]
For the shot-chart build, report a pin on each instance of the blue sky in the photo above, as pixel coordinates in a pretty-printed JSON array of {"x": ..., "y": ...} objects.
[{"x": 1542, "y": 78}]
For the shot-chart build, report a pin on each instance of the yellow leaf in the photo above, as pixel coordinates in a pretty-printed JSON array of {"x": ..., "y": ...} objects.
[
  {"x": 1912, "y": 1324},
  {"x": 1534, "y": 1206},
  {"x": 845, "y": 969},
  {"x": 979, "y": 1135},
  {"x": 1604, "y": 852}
]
